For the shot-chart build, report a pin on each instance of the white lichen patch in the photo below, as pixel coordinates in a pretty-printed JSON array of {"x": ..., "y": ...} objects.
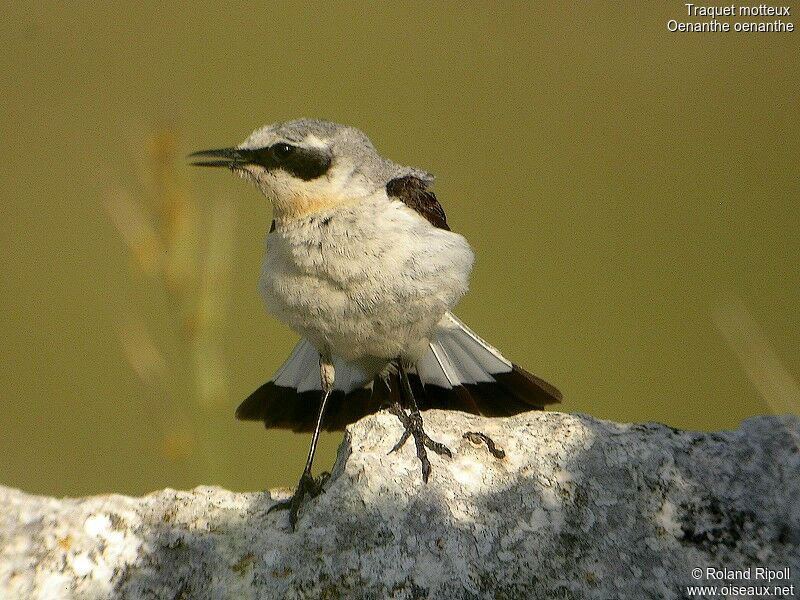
[
  {"x": 97, "y": 525},
  {"x": 468, "y": 472},
  {"x": 667, "y": 519},
  {"x": 81, "y": 564}
]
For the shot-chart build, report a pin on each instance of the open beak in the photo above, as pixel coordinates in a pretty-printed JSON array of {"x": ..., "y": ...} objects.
[{"x": 224, "y": 157}]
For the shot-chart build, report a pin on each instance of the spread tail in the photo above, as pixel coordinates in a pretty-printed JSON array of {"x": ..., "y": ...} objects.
[{"x": 460, "y": 371}]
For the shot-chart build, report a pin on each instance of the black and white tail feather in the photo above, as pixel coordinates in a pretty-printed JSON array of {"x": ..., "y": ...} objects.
[{"x": 460, "y": 371}]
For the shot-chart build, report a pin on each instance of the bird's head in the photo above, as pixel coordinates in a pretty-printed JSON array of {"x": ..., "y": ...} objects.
[{"x": 305, "y": 166}]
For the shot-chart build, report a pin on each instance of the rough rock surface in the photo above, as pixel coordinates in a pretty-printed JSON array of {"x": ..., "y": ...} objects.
[{"x": 578, "y": 508}]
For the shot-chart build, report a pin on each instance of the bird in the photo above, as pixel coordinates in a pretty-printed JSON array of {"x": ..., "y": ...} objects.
[{"x": 361, "y": 263}]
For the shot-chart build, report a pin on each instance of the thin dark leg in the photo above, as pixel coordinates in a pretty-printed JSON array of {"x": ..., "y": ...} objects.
[
  {"x": 308, "y": 485},
  {"x": 413, "y": 426},
  {"x": 317, "y": 428},
  {"x": 415, "y": 414}
]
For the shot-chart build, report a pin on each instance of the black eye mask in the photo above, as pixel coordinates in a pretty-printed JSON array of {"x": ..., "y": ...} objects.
[{"x": 303, "y": 163}]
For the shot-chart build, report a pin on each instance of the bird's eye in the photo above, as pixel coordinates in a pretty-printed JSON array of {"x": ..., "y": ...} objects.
[{"x": 281, "y": 151}]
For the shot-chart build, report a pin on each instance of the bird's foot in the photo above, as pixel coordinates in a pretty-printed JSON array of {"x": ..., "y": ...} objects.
[
  {"x": 476, "y": 437},
  {"x": 413, "y": 427},
  {"x": 308, "y": 486}
]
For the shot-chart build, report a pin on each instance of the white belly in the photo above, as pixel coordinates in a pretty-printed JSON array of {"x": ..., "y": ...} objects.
[{"x": 369, "y": 280}]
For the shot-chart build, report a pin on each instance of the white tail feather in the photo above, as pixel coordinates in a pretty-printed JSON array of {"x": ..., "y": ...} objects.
[
  {"x": 456, "y": 356},
  {"x": 296, "y": 367},
  {"x": 434, "y": 368},
  {"x": 301, "y": 371}
]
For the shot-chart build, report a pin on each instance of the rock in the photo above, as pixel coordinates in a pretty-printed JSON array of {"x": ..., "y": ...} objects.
[{"x": 578, "y": 508}]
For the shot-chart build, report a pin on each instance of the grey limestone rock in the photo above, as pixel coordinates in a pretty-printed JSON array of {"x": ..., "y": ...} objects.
[{"x": 578, "y": 508}]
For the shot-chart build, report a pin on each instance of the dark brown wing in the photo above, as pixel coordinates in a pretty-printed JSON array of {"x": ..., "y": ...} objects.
[{"x": 414, "y": 193}]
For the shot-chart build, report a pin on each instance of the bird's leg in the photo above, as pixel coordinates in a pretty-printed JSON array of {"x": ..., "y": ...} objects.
[
  {"x": 412, "y": 423},
  {"x": 308, "y": 485}
]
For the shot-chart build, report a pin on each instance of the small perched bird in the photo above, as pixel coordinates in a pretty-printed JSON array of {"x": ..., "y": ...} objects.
[{"x": 361, "y": 263}]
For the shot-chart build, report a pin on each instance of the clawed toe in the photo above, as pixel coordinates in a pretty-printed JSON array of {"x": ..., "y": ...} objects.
[
  {"x": 437, "y": 447},
  {"x": 413, "y": 427},
  {"x": 280, "y": 505},
  {"x": 307, "y": 486},
  {"x": 401, "y": 442}
]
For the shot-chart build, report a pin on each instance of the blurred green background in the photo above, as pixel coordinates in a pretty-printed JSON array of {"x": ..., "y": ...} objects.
[{"x": 631, "y": 194}]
